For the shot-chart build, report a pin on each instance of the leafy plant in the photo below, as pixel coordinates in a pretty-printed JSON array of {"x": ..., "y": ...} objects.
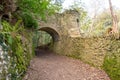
[
  {"x": 112, "y": 61},
  {"x": 29, "y": 21},
  {"x": 19, "y": 49},
  {"x": 37, "y": 7}
]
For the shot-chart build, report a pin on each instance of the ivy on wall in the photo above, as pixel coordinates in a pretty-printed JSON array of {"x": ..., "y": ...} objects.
[{"x": 18, "y": 49}]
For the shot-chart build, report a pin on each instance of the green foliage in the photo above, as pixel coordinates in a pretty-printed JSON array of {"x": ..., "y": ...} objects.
[
  {"x": 37, "y": 7},
  {"x": 112, "y": 68},
  {"x": 44, "y": 38},
  {"x": 41, "y": 38},
  {"x": 112, "y": 61},
  {"x": 19, "y": 49},
  {"x": 103, "y": 20},
  {"x": 32, "y": 10},
  {"x": 29, "y": 21}
]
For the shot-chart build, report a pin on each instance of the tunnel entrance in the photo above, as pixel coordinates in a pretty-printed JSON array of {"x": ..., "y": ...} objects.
[
  {"x": 46, "y": 38},
  {"x": 54, "y": 34}
]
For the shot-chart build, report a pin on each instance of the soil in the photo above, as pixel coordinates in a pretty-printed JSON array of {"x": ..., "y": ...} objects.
[{"x": 49, "y": 66}]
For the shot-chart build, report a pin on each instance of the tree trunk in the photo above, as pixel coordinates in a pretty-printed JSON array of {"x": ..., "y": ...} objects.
[{"x": 114, "y": 19}]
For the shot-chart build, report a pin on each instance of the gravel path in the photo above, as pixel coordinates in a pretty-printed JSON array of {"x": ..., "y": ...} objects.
[{"x": 49, "y": 66}]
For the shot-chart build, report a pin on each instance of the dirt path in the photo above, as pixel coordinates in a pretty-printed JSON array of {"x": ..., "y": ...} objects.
[{"x": 49, "y": 66}]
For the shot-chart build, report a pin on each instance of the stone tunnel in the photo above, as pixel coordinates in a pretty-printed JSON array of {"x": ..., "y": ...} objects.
[
  {"x": 52, "y": 32},
  {"x": 61, "y": 27}
]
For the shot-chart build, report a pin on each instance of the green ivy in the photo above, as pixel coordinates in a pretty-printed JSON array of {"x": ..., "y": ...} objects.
[
  {"x": 29, "y": 21},
  {"x": 19, "y": 49}
]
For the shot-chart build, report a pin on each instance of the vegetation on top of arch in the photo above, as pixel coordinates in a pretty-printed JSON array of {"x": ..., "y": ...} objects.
[
  {"x": 37, "y": 7},
  {"x": 31, "y": 10}
]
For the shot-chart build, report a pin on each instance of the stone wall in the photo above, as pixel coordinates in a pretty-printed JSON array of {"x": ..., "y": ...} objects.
[{"x": 90, "y": 50}]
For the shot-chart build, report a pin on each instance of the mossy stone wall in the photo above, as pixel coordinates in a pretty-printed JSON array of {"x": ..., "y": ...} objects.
[{"x": 90, "y": 50}]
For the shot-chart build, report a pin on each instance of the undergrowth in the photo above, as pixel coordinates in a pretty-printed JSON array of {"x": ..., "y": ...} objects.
[
  {"x": 112, "y": 60},
  {"x": 18, "y": 48}
]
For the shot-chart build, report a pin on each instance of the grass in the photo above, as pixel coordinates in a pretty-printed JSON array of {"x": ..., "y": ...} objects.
[
  {"x": 112, "y": 67},
  {"x": 112, "y": 61}
]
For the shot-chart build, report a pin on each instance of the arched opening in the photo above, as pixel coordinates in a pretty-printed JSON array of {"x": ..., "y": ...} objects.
[
  {"x": 54, "y": 34},
  {"x": 47, "y": 38}
]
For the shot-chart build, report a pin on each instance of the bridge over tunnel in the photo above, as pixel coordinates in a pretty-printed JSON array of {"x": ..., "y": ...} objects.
[{"x": 47, "y": 37}]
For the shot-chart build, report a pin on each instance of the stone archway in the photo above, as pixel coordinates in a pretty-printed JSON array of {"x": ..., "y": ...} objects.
[
  {"x": 54, "y": 36},
  {"x": 52, "y": 32}
]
